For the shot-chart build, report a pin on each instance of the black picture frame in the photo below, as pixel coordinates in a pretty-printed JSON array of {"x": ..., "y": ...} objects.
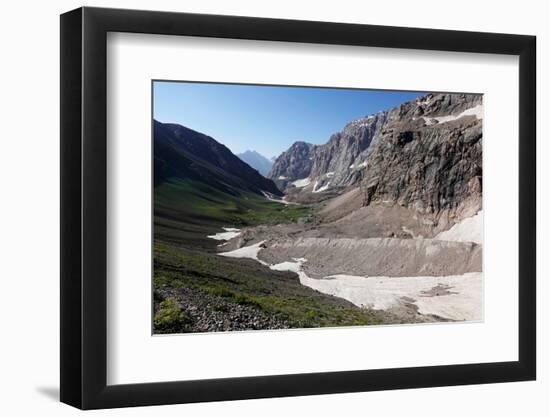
[{"x": 84, "y": 207}]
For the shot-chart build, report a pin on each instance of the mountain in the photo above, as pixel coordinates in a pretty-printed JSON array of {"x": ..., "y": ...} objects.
[
  {"x": 294, "y": 163},
  {"x": 182, "y": 153},
  {"x": 428, "y": 156},
  {"x": 424, "y": 154},
  {"x": 257, "y": 161}
]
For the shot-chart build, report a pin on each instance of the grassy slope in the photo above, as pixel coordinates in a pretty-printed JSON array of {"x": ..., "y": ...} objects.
[
  {"x": 185, "y": 212},
  {"x": 249, "y": 283}
]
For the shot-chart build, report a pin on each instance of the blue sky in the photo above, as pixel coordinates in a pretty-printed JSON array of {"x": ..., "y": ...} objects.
[{"x": 265, "y": 118}]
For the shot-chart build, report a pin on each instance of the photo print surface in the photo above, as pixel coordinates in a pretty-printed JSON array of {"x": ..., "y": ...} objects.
[{"x": 285, "y": 207}]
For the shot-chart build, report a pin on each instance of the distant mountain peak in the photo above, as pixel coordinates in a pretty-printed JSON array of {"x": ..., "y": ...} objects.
[
  {"x": 256, "y": 160},
  {"x": 250, "y": 152}
]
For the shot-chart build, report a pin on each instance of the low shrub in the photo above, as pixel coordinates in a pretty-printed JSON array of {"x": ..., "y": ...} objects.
[{"x": 170, "y": 318}]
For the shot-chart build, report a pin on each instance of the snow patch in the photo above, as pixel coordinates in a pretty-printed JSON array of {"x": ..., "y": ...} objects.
[
  {"x": 467, "y": 230},
  {"x": 304, "y": 182},
  {"x": 455, "y": 297},
  {"x": 276, "y": 200},
  {"x": 295, "y": 266},
  {"x": 250, "y": 252},
  {"x": 425, "y": 101},
  {"x": 359, "y": 166},
  {"x": 476, "y": 111},
  {"x": 323, "y": 188},
  {"x": 230, "y": 233},
  {"x": 363, "y": 122},
  {"x": 282, "y": 177},
  {"x": 330, "y": 174}
]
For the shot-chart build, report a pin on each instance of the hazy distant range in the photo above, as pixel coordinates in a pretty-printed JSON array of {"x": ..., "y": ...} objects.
[{"x": 257, "y": 161}]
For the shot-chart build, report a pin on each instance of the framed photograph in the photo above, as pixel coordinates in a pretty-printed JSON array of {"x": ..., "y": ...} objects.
[{"x": 256, "y": 208}]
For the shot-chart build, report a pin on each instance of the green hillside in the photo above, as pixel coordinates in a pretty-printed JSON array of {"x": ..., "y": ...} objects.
[{"x": 186, "y": 211}]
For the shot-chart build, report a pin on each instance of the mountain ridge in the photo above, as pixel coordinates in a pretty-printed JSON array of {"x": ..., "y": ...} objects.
[
  {"x": 396, "y": 155},
  {"x": 184, "y": 153}
]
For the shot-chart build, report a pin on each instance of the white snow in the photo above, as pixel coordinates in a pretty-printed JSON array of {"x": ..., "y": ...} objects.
[
  {"x": 250, "y": 252},
  {"x": 330, "y": 174},
  {"x": 282, "y": 177},
  {"x": 467, "y": 230},
  {"x": 459, "y": 297},
  {"x": 426, "y": 102},
  {"x": 455, "y": 297},
  {"x": 463, "y": 302},
  {"x": 361, "y": 165},
  {"x": 323, "y": 188},
  {"x": 304, "y": 182},
  {"x": 284, "y": 201},
  {"x": 276, "y": 200},
  {"x": 295, "y": 266},
  {"x": 476, "y": 111},
  {"x": 365, "y": 121},
  {"x": 230, "y": 233}
]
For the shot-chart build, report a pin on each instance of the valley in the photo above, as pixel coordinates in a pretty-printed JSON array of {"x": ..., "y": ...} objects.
[{"x": 380, "y": 225}]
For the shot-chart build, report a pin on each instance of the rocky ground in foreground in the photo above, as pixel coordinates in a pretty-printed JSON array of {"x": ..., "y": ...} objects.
[
  {"x": 197, "y": 291},
  {"x": 204, "y": 312},
  {"x": 195, "y": 311}
]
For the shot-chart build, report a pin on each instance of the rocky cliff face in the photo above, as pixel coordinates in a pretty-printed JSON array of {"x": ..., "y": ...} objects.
[
  {"x": 428, "y": 157},
  {"x": 424, "y": 154},
  {"x": 294, "y": 163},
  {"x": 332, "y": 162}
]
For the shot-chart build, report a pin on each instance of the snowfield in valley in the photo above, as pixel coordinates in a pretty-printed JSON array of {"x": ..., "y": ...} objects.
[
  {"x": 453, "y": 297},
  {"x": 228, "y": 234},
  {"x": 304, "y": 182},
  {"x": 250, "y": 252},
  {"x": 467, "y": 230}
]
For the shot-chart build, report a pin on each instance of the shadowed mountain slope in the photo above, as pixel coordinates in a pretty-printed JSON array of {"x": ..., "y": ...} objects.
[{"x": 182, "y": 153}]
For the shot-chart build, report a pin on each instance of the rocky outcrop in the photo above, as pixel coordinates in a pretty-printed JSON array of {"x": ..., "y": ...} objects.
[
  {"x": 331, "y": 163},
  {"x": 338, "y": 162},
  {"x": 428, "y": 157},
  {"x": 424, "y": 154},
  {"x": 294, "y": 163}
]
